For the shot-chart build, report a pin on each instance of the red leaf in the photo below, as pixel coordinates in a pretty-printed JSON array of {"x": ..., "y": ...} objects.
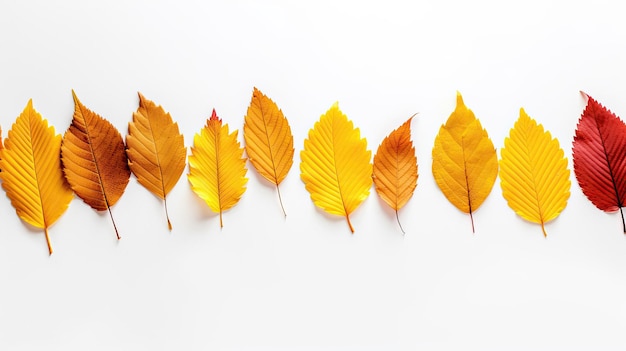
[{"x": 599, "y": 152}]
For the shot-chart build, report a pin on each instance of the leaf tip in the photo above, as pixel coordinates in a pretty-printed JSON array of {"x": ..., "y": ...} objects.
[
  {"x": 214, "y": 116},
  {"x": 459, "y": 100}
]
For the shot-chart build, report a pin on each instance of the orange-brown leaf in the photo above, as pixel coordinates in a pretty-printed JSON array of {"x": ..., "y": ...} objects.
[
  {"x": 395, "y": 168},
  {"x": 269, "y": 142},
  {"x": 94, "y": 159},
  {"x": 156, "y": 149}
]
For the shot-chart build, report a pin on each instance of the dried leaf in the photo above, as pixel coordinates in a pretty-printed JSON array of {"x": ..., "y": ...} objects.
[
  {"x": 156, "y": 150},
  {"x": 395, "y": 168},
  {"x": 31, "y": 171},
  {"x": 335, "y": 167},
  {"x": 217, "y": 168},
  {"x": 465, "y": 165},
  {"x": 94, "y": 160},
  {"x": 533, "y": 172},
  {"x": 269, "y": 142},
  {"x": 1, "y": 147},
  {"x": 599, "y": 153}
]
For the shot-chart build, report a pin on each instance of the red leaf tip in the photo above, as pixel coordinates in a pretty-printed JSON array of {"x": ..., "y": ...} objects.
[{"x": 214, "y": 116}]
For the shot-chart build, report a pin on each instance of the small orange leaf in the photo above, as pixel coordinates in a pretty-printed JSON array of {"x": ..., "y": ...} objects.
[
  {"x": 395, "y": 168},
  {"x": 156, "y": 150},
  {"x": 217, "y": 168},
  {"x": 269, "y": 142},
  {"x": 94, "y": 160}
]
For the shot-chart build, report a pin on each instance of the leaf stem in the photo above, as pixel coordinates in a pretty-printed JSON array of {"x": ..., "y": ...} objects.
[
  {"x": 545, "y": 235},
  {"x": 472, "y": 220},
  {"x": 169, "y": 224},
  {"x": 280, "y": 199},
  {"x": 112, "y": 220},
  {"x": 349, "y": 224},
  {"x": 45, "y": 230},
  {"x": 221, "y": 223},
  {"x": 400, "y": 225},
  {"x": 621, "y": 211}
]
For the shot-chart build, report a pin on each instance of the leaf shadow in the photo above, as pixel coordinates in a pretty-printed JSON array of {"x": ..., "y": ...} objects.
[
  {"x": 339, "y": 218},
  {"x": 268, "y": 185},
  {"x": 202, "y": 210},
  {"x": 390, "y": 213}
]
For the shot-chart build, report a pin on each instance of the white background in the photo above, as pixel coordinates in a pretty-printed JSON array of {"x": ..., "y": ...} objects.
[{"x": 264, "y": 282}]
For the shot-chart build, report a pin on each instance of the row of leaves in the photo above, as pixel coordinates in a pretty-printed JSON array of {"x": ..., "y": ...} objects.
[{"x": 41, "y": 171}]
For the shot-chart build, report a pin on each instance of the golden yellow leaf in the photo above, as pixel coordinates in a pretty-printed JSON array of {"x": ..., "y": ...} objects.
[
  {"x": 465, "y": 165},
  {"x": 217, "y": 168},
  {"x": 336, "y": 167},
  {"x": 1, "y": 147},
  {"x": 31, "y": 171},
  {"x": 94, "y": 160},
  {"x": 533, "y": 172},
  {"x": 395, "y": 168},
  {"x": 156, "y": 150},
  {"x": 269, "y": 142}
]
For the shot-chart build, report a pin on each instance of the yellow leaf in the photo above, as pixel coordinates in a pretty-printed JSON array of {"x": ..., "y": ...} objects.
[
  {"x": 533, "y": 172},
  {"x": 269, "y": 142},
  {"x": 1, "y": 147},
  {"x": 335, "y": 167},
  {"x": 31, "y": 171},
  {"x": 156, "y": 150},
  {"x": 94, "y": 160},
  {"x": 465, "y": 165},
  {"x": 395, "y": 168},
  {"x": 217, "y": 168}
]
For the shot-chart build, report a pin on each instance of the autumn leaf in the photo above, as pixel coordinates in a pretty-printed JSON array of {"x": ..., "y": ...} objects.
[
  {"x": 1, "y": 147},
  {"x": 94, "y": 160},
  {"x": 269, "y": 142},
  {"x": 533, "y": 172},
  {"x": 395, "y": 168},
  {"x": 156, "y": 150},
  {"x": 217, "y": 168},
  {"x": 335, "y": 167},
  {"x": 599, "y": 153},
  {"x": 465, "y": 165},
  {"x": 31, "y": 171}
]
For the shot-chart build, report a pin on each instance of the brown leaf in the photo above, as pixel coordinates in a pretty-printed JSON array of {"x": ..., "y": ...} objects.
[{"x": 94, "y": 160}]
